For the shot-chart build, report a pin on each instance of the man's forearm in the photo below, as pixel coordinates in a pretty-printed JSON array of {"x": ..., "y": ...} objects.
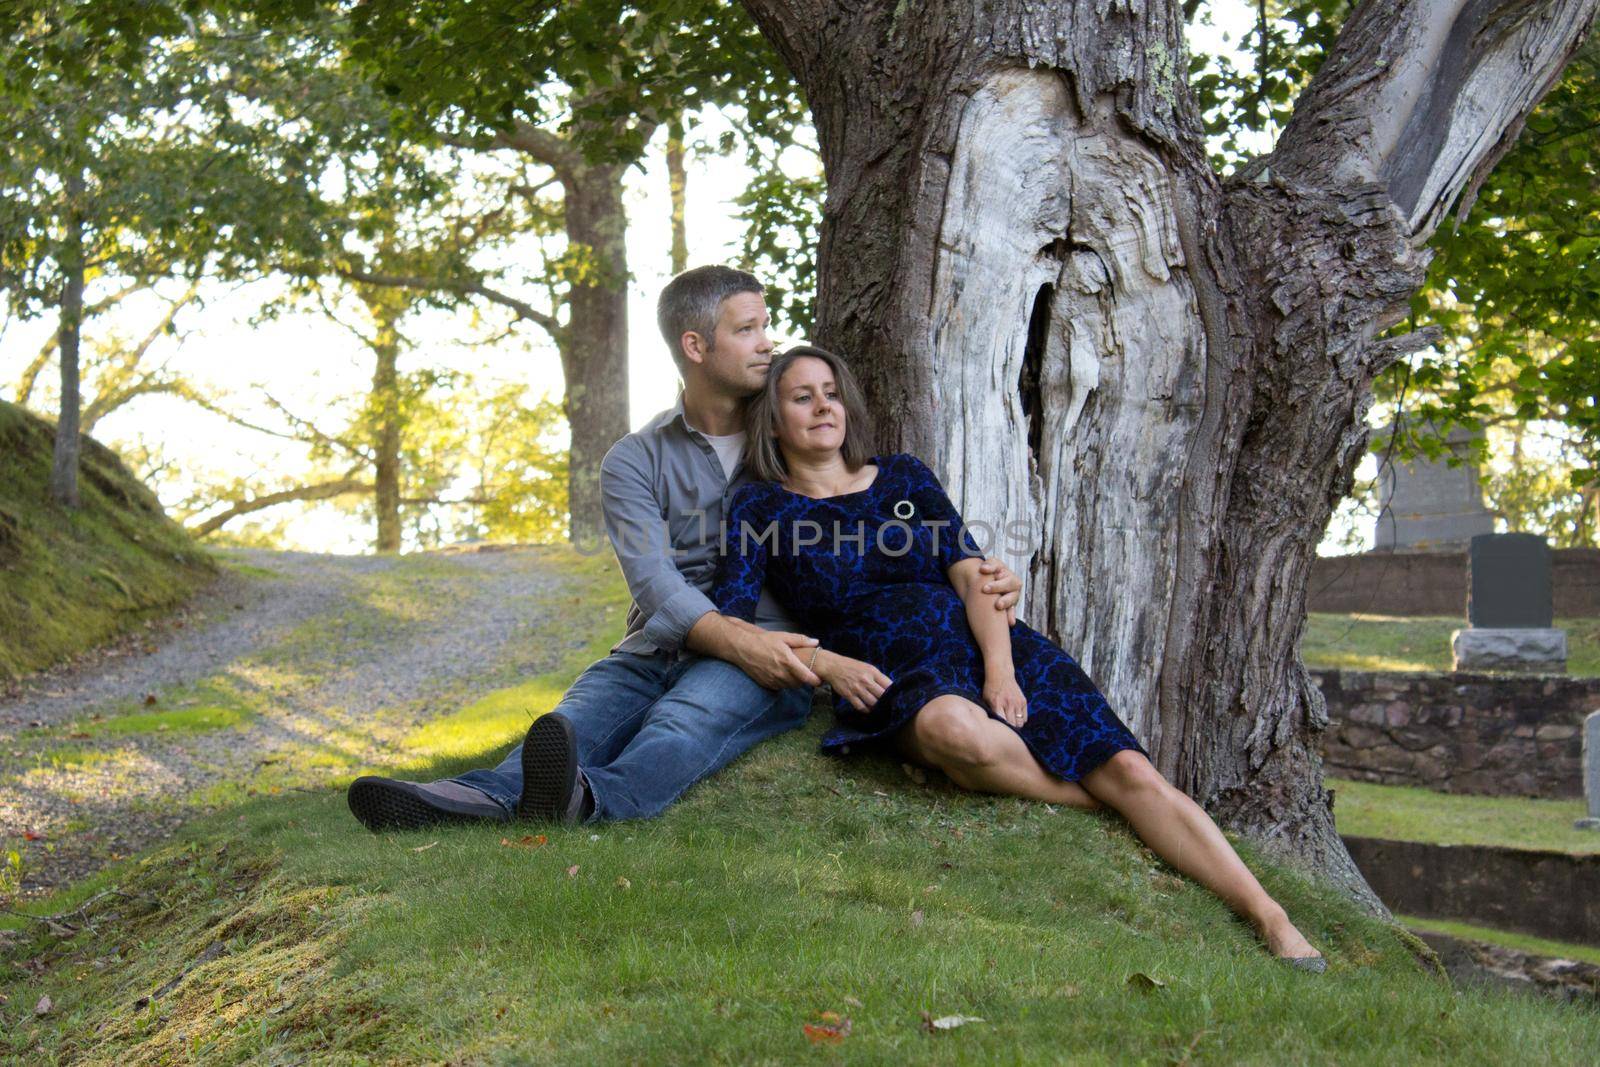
[{"x": 719, "y": 636}]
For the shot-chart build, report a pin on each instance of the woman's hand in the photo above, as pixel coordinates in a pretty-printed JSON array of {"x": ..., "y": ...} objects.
[
  {"x": 1005, "y": 698},
  {"x": 859, "y": 683}
]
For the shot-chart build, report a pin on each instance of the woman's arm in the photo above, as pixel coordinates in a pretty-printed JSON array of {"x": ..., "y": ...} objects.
[
  {"x": 860, "y": 683},
  {"x": 989, "y": 627}
]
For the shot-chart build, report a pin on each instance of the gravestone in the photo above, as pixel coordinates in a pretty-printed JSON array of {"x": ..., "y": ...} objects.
[
  {"x": 1427, "y": 505},
  {"x": 1509, "y": 608},
  {"x": 1591, "y": 771}
]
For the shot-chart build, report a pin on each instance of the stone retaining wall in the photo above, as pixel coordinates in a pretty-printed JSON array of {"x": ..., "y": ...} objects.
[
  {"x": 1498, "y": 735},
  {"x": 1435, "y": 583},
  {"x": 1546, "y": 894}
]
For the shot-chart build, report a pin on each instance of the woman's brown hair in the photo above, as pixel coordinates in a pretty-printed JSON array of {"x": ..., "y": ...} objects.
[{"x": 761, "y": 453}]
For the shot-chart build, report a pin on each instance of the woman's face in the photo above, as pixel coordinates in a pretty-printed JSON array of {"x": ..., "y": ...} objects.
[{"x": 810, "y": 414}]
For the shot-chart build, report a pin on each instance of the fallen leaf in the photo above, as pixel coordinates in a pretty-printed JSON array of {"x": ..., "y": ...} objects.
[
  {"x": 525, "y": 841},
  {"x": 29, "y": 835},
  {"x": 150, "y": 698},
  {"x": 43, "y": 1007},
  {"x": 853, "y": 1002},
  {"x": 879, "y": 793},
  {"x": 916, "y": 918},
  {"x": 572, "y": 872},
  {"x": 1069, "y": 991},
  {"x": 1144, "y": 983},
  {"x": 81, "y": 735},
  {"x": 829, "y": 1029},
  {"x": 623, "y": 883},
  {"x": 424, "y": 848},
  {"x": 946, "y": 1022}
]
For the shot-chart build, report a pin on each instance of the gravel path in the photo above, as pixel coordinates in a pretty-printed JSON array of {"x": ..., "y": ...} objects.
[{"x": 291, "y": 670}]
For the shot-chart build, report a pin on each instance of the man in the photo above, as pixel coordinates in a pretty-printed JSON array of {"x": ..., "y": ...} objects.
[{"x": 687, "y": 689}]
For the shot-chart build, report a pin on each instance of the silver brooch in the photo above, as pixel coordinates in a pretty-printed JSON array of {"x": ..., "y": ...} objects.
[{"x": 910, "y": 509}]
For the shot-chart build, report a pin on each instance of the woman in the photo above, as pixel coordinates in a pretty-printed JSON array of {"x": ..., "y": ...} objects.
[{"x": 870, "y": 556}]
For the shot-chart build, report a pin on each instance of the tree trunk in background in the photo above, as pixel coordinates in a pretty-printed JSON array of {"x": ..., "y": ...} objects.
[
  {"x": 64, "y": 471},
  {"x": 594, "y": 346},
  {"x": 678, "y": 186},
  {"x": 385, "y": 407},
  {"x": 1163, "y": 378}
]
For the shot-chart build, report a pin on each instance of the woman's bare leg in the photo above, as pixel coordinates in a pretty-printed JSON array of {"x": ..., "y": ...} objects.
[
  {"x": 1180, "y": 832},
  {"x": 982, "y": 754}
]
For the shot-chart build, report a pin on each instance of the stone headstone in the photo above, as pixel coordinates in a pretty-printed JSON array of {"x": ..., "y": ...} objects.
[
  {"x": 1428, "y": 504},
  {"x": 1591, "y": 771},
  {"x": 1509, "y": 608},
  {"x": 1508, "y": 581}
]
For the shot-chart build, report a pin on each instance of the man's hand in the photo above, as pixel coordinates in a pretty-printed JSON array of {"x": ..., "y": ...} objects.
[
  {"x": 859, "y": 683},
  {"x": 999, "y": 579},
  {"x": 776, "y": 659}
]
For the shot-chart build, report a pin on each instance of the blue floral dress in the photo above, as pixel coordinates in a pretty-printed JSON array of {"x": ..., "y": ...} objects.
[{"x": 865, "y": 572}]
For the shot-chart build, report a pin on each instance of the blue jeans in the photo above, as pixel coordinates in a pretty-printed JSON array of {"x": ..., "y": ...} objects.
[{"x": 650, "y": 726}]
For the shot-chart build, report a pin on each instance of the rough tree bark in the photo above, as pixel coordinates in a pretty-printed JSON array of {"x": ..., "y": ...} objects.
[
  {"x": 1162, "y": 375},
  {"x": 64, "y": 469}
]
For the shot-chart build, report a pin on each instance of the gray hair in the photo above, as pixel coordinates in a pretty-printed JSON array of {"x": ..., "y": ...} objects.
[
  {"x": 691, "y": 302},
  {"x": 761, "y": 454}
]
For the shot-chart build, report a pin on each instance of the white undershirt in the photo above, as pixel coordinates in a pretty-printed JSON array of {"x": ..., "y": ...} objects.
[{"x": 728, "y": 448}]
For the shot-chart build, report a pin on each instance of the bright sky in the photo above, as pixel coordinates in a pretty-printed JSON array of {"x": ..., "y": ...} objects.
[{"x": 309, "y": 363}]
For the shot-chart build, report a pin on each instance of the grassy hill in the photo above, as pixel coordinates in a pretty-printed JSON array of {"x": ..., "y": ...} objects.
[
  {"x": 795, "y": 909},
  {"x": 70, "y": 580}
]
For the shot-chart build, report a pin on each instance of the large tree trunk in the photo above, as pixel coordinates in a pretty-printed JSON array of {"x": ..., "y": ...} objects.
[
  {"x": 64, "y": 470},
  {"x": 594, "y": 343},
  {"x": 1052, "y": 298}
]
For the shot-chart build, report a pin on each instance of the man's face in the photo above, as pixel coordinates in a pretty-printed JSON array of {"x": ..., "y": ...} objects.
[{"x": 740, "y": 352}]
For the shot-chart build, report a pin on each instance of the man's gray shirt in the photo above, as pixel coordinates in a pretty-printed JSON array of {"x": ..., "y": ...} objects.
[{"x": 664, "y": 495}]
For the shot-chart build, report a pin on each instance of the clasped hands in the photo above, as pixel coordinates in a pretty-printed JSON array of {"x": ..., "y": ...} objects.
[{"x": 777, "y": 660}]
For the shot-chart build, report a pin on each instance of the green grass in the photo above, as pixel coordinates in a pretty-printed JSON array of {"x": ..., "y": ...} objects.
[
  {"x": 1406, "y": 813},
  {"x": 71, "y": 579},
  {"x": 180, "y": 720},
  {"x": 790, "y": 886},
  {"x": 1393, "y": 643},
  {"x": 1536, "y": 946}
]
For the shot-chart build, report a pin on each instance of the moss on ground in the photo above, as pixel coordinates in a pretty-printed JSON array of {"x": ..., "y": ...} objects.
[{"x": 72, "y": 579}]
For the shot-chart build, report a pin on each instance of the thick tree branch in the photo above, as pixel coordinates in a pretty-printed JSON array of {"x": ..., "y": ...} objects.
[
  {"x": 1425, "y": 96},
  {"x": 544, "y": 147},
  {"x": 464, "y": 287},
  {"x": 795, "y": 29},
  {"x": 320, "y": 491}
]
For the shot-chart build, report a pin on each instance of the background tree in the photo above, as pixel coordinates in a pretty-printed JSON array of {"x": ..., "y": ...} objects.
[
  {"x": 579, "y": 89},
  {"x": 90, "y": 174},
  {"x": 1019, "y": 192}
]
